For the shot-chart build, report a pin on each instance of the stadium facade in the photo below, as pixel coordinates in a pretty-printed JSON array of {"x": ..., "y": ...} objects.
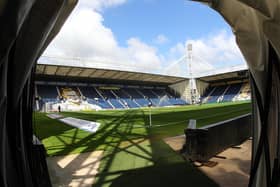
[{"x": 81, "y": 88}]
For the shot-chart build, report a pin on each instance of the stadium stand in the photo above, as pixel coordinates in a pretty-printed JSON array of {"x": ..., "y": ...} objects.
[
  {"x": 231, "y": 92},
  {"x": 245, "y": 93},
  {"x": 207, "y": 94},
  {"x": 108, "y": 97},
  {"x": 216, "y": 94},
  {"x": 225, "y": 86},
  {"x": 227, "y": 93},
  {"x": 161, "y": 93},
  {"x": 153, "y": 98},
  {"x": 69, "y": 93},
  {"x": 164, "y": 98},
  {"x": 93, "y": 97},
  {"x": 126, "y": 99},
  {"x": 147, "y": 93},
  {"x": 114, "y": 89},
  {"x": 111, "y": 98},
  {"x": 137, "y": 96},
  {"x": 47, "y": 93},
  {"x": 177, "y": 101}
]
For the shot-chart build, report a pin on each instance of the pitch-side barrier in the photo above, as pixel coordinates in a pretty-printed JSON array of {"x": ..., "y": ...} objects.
[{"x": 208, "y": 141}]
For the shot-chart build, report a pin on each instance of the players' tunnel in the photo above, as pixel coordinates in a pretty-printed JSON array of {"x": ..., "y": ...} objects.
[
  {"x": 27, "y": 27},
  {"x": 256, "y": 26}
]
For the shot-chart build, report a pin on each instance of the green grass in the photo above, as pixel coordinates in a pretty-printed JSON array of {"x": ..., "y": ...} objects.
[{"x": 134, "y": 154}]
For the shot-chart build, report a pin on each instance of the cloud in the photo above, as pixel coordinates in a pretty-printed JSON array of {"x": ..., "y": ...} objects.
[
  {"x": 100, "y": 4},
  {"x": 219, "y": 50},
  {"x": 84, "y": 36},
  {"x": 215, "y": 51},
  {"x": 141, "y": 53},
  {"x": 161, "y": 39}
]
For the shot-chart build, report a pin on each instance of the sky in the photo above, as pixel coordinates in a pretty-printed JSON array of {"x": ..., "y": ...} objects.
[{"x": 145, "y": 36}]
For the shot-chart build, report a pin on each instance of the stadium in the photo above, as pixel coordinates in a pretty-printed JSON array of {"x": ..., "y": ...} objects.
[
  {"x": 135, "y": 114},
  {"x": 88, "y": 88},
  {"x": 79, "y": 122}
]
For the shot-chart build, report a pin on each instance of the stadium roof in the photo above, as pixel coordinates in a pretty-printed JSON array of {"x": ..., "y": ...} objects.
[
  {"x": 226, "y": 77},
  {"x": 65, "y": 72}
]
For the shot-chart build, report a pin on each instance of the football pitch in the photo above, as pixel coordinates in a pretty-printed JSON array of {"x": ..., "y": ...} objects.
[{"x": 134, "y": 154}]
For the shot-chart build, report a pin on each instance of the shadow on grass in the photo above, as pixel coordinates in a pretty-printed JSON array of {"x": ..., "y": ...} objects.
[
  {"x": 116, "y": 138},
  {"x": 167, "y": 169},
  {"x": 42, "y": 124},
  {"x": 178, "y": 174},
  {"x": 132, "y": 156}
]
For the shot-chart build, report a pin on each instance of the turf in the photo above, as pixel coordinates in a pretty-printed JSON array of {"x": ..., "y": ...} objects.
[{"x": 134, "y": 153}]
